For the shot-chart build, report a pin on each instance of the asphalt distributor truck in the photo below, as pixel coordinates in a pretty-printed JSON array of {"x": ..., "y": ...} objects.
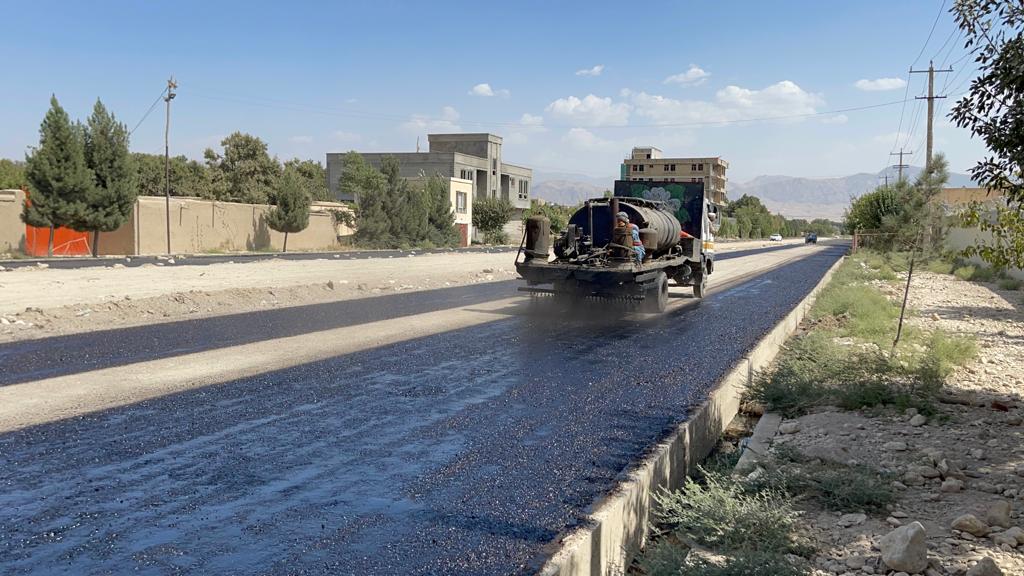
[{"x": 594, "y": 258}]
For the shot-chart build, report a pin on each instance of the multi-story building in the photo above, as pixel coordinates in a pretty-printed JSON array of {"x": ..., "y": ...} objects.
[
  {"x": 646, "y": 163},
  {"x": 473, "y": 157}
]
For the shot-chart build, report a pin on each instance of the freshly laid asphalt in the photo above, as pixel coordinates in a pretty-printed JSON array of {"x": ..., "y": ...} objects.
[
  {"x": 62, "y": 355},
  {"x": 465, "y": 452}
]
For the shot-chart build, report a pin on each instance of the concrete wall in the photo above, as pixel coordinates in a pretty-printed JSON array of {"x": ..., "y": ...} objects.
[
  {"x": 196, "y": 226},
  {"x": 12, "y": 229},
  {"x": 959, "y": 238}
]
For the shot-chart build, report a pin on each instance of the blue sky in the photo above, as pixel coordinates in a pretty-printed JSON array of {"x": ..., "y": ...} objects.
[{"x": 572, "y": 86}]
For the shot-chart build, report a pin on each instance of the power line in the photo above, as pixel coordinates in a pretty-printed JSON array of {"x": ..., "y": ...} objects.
[
  {"x": 903, "y": 109},
  {"x": 146, "y": 115},
  {"x": 930, "y": 32}
]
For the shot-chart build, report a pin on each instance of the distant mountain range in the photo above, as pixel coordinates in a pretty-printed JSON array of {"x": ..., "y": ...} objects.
[{"x": 791, "y": 196}]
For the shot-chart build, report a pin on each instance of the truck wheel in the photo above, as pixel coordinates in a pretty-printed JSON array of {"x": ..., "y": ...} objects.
[
  {"x": 656, "y": 299},
  {"x": 700, "y": 283}
]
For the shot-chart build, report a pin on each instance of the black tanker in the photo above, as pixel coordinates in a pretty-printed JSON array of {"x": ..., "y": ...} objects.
[{"x": 593, "y": 258}]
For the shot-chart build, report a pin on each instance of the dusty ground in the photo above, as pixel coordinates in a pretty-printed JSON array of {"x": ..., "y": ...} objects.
[
  {"x": 969, "y": 459},
  {"x": 40, "y": 302}
]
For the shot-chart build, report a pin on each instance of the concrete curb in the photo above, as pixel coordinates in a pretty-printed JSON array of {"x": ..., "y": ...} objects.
[
  {"x": 619, "y": 524},
  {"x": 758, "y": 444}
]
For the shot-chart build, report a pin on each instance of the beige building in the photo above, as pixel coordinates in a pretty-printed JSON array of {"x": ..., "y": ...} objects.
[
  {"x": 647, "y": 163},
  {"x": 957, "y": 196},
  {"x": 460, "y": 191}
]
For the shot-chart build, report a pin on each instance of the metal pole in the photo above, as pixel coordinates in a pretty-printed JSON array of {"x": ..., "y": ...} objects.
[{"x": 167, "y": 159}]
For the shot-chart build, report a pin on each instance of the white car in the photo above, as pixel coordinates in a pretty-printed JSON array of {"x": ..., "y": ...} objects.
[{"x": 775, "y": 238}]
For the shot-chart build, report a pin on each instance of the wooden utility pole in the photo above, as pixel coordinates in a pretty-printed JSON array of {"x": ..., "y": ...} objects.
[
  {"x": 931, "y": 97},
  {"x": 901, "y": 165},
  {"x": 171, "y": 85}
]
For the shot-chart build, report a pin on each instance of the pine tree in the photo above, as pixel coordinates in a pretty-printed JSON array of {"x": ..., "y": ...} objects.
[
  {"x": 58, "y": 177},
  {"x": 110, "y": 202},
  {"x": 291, "y": 213},
  {"x": 441, "y": 217},
  {"x": 366, "y": 186}
]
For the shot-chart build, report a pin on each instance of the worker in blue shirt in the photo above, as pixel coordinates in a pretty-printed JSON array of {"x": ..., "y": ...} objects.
[{"x": 622, "y": 219}]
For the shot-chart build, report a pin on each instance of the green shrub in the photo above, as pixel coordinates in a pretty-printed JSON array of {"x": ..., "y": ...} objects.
[
  {"x": 498, "y": 237},
  {"x": 964, "y": 272},
  {"x": 721, "y": 516},
  {"x": 840, "y": 487},
  {"x": 939, "y": 266},
  {"x": 869, "y": 314},
  {"x": 1010, "y": 284},
  {"x": 983, "y": 274},
  {"x": 668, "y": 559},
  {"x": 943, "y": 353}
]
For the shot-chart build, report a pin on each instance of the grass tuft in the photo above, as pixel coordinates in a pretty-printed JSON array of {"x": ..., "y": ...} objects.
[{"x": 1010, "y": 284}]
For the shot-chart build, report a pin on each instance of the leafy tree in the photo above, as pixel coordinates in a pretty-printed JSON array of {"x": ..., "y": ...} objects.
[
  {"x": 312, "y": 176},
  {"x": 291, "y": 212},
  {"x": 557, "y": 215},
  {"x": 441, "y": 218},
  {"x": 728, "y": 228},
  {"x": 994, "y": 30},
  {"x": 109, "y": 203},
  {"x": 188, "y": 177},
  {"x": 745, "y": 201},
  {"x": 490, "y": 216},
  {"x": 12, "y": 174},
  {"x": 58, "y": 177},
  {"x": 245, "y": 172}
]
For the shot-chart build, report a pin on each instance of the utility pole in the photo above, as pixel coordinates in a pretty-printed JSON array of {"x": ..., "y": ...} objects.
[
  {"x": 901, "y": 165},
  {"x": 171, "y": 85},
  {"x": 886, "y": 176},
  {"x": 931, "y": 97}
]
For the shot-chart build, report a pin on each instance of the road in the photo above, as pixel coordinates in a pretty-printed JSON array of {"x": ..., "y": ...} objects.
[{"x": 455, "y": 431}]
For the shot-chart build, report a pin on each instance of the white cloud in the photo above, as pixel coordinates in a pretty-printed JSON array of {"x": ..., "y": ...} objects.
[
  {"x": 694, "y": 76},
  {"x": 447, "y": 122},
  {"x": 595, "y": 71},
  {"x": 590, "y": 111},
  {"x": 880, "y": 84},
  {"x": 532, "y": 123},
  {"x": 583, "y": 139},
  {"x": 731, "y": 103},
  {"x": 484, "y": 89},
  {"x": 300, "y": 139}
]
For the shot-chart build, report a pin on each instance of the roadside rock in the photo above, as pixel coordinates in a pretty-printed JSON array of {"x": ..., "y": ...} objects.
[
  {"x": 895, "y": 446},
  {"x": 904, "y": 549},
  {"x": 969, "y": 523},
  {"x": 998, "y": 514},
  {"x": 952, "y": 485},
  {"x": 847, "y": 520},
  {"x": 985, "y": 567},
  {"x": 789, "y": 427},
  {"x": 919, "y": 420}
]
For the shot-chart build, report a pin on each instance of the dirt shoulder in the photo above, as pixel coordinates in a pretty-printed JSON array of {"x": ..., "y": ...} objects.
[{"x": 959, "y": 472}]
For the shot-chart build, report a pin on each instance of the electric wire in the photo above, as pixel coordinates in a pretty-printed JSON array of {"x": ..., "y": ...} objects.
[{"x": 148, "y": 112}]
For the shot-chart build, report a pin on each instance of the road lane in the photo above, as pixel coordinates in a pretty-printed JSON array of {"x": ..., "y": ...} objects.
[
  {"x": 464, "y": 452},
  {"x": 55, "y": 356}
]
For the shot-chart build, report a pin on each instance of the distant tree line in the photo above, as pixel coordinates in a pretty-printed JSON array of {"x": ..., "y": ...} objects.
[
  {"x": 748, "y": 217},
  {"x": 83, "y": 177},
  {"x": 392, "y": 212}
]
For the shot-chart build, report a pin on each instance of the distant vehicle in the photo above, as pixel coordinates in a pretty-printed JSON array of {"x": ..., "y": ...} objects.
[
  {"x": 811, "y": 238},
  {"x": 775, "y": 238}
]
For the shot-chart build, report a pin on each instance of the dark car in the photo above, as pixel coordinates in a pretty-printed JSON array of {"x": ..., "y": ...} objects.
[{"x": 811, "y": 238}]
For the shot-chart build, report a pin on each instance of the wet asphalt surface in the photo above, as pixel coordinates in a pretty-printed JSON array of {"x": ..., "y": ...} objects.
[
  {"x": 464, "y": 452},
  {"x": 62, "y": 355}
]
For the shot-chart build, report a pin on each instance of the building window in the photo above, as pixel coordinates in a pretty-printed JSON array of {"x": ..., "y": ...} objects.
[
  {"x": 671, "y": 179},
  {"x": 648, "y": 156},
  {"x": 700, "y": 167},
  {"x": 460, "y": 202},
  {"x": 693, "y": 167},
  {"x": 640, "y": 168}
]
